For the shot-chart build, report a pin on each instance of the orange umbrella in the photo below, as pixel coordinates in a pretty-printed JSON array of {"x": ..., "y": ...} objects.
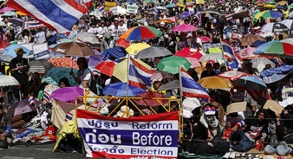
[
  {"x": 165, "y": 21},
  {"x": 20, "y": 13},
  {"x": 63, "y": 62}
]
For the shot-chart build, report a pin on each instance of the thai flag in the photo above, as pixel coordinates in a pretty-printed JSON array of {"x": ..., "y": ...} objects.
[
  {"x": 190, "y": 88},
  {"x": 233, "y": 59},
  {"x": 33, "y": 25},
  {"x": 155, "y": 11},
  {"x": 46, "y": 98},
  {"x": 198, "y": 16},
  {"x": 228, "y": 17},
  {"x": 87, "y": 3},
  {"x": 101, "y": 8},
  {"x": 68, "y": 116},
  {"x": 139, "y": 76},
  {"x": 31, "y": 101},
  {"x": 57, "y": 14}
]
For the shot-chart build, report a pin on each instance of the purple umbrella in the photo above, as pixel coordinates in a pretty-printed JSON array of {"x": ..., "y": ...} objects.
[
  {"x": 185, "y": 14},
  {"x": 16, "y": 21},
  {"x": 22, "y": 107},
  {"x": 94, "y": 60},
  {"x": 97, "y": 52},
  {"x": 67, "y": 93},
  {"x": 6, "y": 9}
]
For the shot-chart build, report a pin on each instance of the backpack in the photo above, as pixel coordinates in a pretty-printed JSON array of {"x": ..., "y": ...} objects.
[{"x": 93, "y": 85}]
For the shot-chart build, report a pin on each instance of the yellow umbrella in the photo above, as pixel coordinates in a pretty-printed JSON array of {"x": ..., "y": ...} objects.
[
  {"x": 20, "y": 13},
  {"x": 120, "y": 69},
  {"x": 282, "y": 3},
  {"x": 133, "y": 49},
  {"x": 215, "y": 82}
]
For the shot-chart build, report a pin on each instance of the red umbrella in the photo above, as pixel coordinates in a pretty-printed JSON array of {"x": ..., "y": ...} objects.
[
  {"x": 187, "y": 52},
  {"x": 123, "y": 43},
  {"x": 205, "y": 39},
  {"x": 106, "y": 67},
  {"x": 147, "y": 99},
  {"x": 4, "y": 44}
]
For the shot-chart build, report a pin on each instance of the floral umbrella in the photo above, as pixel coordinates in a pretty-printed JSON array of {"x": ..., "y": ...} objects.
[{"x": 63, "y": 62}]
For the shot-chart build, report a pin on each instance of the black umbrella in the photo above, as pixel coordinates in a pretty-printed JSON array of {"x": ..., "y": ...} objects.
[
  {"x": 40, "y": 66},
  {"x": 171, "y": 85},
  {"x": 152, "y": 52}
]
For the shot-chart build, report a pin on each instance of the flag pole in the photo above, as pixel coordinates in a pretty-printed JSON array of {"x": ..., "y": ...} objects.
[
  {"x": 223, "y": 54},
  {"x": 180, "y": 105},
  {"x": 127, "y": 77}
]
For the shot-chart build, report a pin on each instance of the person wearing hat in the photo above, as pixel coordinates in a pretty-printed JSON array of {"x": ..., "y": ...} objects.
[
  {"x": 18, "y": 68},
  {"x": 207, "y": 135}
]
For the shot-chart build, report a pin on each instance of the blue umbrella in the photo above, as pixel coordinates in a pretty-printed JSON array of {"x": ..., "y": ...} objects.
[
  {"x": 10, "y": 50},
  {"x": 185, "y": 15},
  {"x": 275, "y": 74},
  {"x": 170, "y": 5},
  {"x": 262, "y": 47},
  {"x": 114, "y": 53},
  {"x": 54, "y": 75},
  {"x": 258, "y": 43},
  {"x": 251, "y": 82},
  {"x": 119, "y": 89}
]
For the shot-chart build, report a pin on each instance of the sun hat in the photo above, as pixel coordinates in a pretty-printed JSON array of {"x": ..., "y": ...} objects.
[
  {"x": 19, "y": 51},
  {"x": 125, "y": 112},
  {"x": 209, "y": 110}
]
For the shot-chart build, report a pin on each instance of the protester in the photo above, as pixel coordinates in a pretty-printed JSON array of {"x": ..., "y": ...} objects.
[{"x": 83, "y": 77}]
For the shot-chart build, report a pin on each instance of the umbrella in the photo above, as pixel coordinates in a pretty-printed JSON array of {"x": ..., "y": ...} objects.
[
  {"x": 288, "y": 23},
  {"x": 94, "y": 60},
  {"x": 247, "y": 40},
  {"x": 67, "y": 93},
  {"x": 2, "y": 24},
  {"x": 22, "y": 107},
  {"x": 288, "y": 40},
  {"x": 114, "y": 53},
  {"x": 275, "y": 48},
  {"x": 9, "y": 14},
  {"x": 171, "y": 5},
  {"x": 260, "y": 63},
  {"x": 40, "y": 66},
  {"x": 169, "y": 86},
  {"x": 267, "y": 14},
  {"x": 255, "y": 87},
  {"x": 215, "y": 82},
  {"x": 85, "y": 37},
  {"x": 282, "y": 3},
  {"x": 134, "y": 49},
  {"x": 185, "y": 28},
  {"x": 205, "y": 39},
  {"x": 171, "y": 64},
  {"x": 211, "y": 57},
  {"x": 152, "y": 52},
  {"x": 147, "y": 99},
  {"x": 20, "y": 13},
  {"x": 4, "y": 44},
  {"x": 160, "y": 75},
  {"x": 65, "y": 62},
  {"x": 232, "y": 75},
  {"x": 164, "y": 20},
  {"x": 141, "y": 33},
  {"x": 55, "y": 74},
  {"x": 274, "y": 27},
  {"x": 258, "y": 43},
  {"x": 194, "y": 62},
  {"x": 120, "y": 69},
  {"x": 161, "y": 8},
  {"x": 6, "y": 81},
  {"x": 122, "y": 43},
  {"x": 73, "y": 49},
  {"x": 10, "y": 50},
  {"x": 247, "y": 53},
  {"x": 6, "y": 58},
  {"x": 120, "y": 89},
  {"x": 185, "y": 15},
  {"x": 275, "y": 74},
  {"x": 6, "y": 9},
  {"x": 187, "y": 52},
  {"x": 106, "y": 67}
]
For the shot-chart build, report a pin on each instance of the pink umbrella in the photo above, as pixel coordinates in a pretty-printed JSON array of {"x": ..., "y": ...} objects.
[
  {"x": 187, "y": 52},
  {"x": 194, "y": 62},
  {"x": 185, "y": 28},
  {"x": 22, "y": 107},
  {"x": 205, "y": 39},
  {"x": 6, "y": 9},
  {"x": 247, "y": 53}
]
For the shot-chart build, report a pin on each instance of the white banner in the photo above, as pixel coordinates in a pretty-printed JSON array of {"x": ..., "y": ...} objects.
[
  {"x": 113, "y": 10},
  {"x": 41, "y": 51},
  {"x": 30, "y": 47},
  {"x": 132, "y": 8}
]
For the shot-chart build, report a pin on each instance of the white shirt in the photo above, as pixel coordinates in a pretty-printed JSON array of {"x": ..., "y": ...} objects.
[
  {"x": 40, "y": 37},
  {"x": 102, "y": 30},
  {"x": 93, "y": 30},
  {"x": 86, "y": 76},
  {"x": 122, "y": 29}
]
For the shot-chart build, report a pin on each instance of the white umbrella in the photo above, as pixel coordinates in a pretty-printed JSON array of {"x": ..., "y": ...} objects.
[
  {"x": 85, "y": 37},
  {"x": 288, "y": 23},
  {"x": 161, "y": 8},
  {"x": 260, "y": 63},
  {"x": 211, "y": 57},
  {"x": 2, "y": 24},
  {"x": 288, "y": 40},
  {"x": 274, "y": 27},
  {"x": 8, "y": 81}
]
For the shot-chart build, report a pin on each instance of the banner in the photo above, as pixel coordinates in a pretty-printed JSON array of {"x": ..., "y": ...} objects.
[
  {"x": 41, "y": 51},
  {"x": 147, "y": 137},
  {"x": 132, "y": 8},
  {"x": 109, "y": 5},
  {"x": 114, "y": 10},
  {"x": 199, "y": 1}
]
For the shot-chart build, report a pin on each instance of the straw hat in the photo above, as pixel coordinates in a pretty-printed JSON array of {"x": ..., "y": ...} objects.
[
  {"x": 125, "y": 112},
  {"x": 19, "y": 51}
]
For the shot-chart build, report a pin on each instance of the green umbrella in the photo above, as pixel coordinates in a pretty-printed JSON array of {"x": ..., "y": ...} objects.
[
  {"x": 9, "y": 14},
  {"x": 150, "y": 1},
  {"x": 290, "y": 6},
  {"x": 171, "y": 64},
  {"x": 155, "y": 31}
]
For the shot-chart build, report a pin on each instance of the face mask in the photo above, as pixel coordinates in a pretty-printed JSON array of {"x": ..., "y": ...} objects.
[{"x": 211, "y": 120}]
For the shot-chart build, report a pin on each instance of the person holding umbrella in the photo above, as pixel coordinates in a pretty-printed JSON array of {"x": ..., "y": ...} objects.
[{"x": 83, "y": 77}]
